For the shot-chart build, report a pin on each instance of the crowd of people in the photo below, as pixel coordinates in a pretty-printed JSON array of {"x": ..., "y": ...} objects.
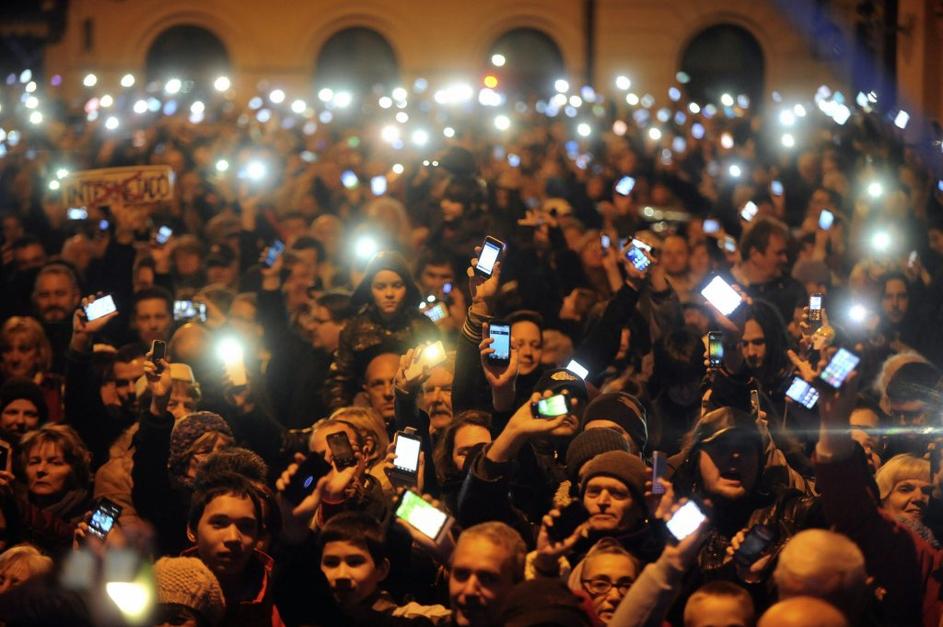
[{"x": 228, "y": 444}]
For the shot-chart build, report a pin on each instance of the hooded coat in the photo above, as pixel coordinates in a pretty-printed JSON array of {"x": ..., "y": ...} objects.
[{"x": 368, "y": 334}]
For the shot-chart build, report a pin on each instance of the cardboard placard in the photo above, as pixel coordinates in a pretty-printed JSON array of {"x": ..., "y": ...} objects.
[{"x": 135, "y": 185}]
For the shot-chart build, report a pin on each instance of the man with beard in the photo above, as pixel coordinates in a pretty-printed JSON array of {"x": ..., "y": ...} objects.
[
  {"x": 55, "y": 297},
  {"x": 436, "y": 397},
  {"x": 97, "y": 423},
  {"x": 763, "y": 345}
]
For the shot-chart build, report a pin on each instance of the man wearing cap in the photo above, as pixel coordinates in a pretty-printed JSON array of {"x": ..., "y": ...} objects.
[
  {"x": 723, "y": 463},
  {"x": 222, "y": 267},
  {"x": 538, "y": 446},
  {"x": 623, "y": 413}
]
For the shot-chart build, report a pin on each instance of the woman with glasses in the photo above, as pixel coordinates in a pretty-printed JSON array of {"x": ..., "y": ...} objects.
[{"x": 605, "y": 576}]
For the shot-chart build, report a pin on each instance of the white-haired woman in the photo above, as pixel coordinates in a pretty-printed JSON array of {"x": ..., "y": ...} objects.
[{"x": 904, "y": 487}]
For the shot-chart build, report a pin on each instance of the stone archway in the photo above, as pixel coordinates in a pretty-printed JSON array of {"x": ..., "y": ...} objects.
[{"x": 724, "y": 58}]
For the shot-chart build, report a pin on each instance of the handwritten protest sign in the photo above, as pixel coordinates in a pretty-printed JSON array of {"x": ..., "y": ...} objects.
[{"x": 135, "y": 185}]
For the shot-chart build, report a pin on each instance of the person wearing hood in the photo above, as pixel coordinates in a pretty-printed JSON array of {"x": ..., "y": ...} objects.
[
  {"x": 723, "y": 462},
  {"x": 387, "y": 302}
]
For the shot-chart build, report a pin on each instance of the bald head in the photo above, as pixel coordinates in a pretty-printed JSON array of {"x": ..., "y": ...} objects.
[
  {"x": 824, "y": 564},
  {"x": 189, "y": 343},
  {"x": 802, "y": 612}
]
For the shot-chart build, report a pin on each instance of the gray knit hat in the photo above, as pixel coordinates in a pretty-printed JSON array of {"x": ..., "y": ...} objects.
[{"x": 188, "y": 582}]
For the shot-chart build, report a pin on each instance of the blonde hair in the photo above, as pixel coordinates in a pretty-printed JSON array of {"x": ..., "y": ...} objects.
[
  {"x": 30, "y": 327},
  {"x": 29, "y": 556},
  {"x": 900, "y": 468},
  {"x": 74, "y": 452},
  {"x": 369, "y": 425}
]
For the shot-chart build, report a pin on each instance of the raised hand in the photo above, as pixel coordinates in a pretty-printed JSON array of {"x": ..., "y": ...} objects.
[{"x": 549, "y": 551}]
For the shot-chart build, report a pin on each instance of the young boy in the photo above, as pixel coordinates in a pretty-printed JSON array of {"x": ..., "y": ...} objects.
[{"x": 225, "y": 525}]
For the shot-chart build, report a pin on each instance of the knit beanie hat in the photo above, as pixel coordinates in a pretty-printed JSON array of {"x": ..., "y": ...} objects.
[
  {"x": 623, "y": 409},
  {"x": 188, "y": 582},
  {"x": 17, "y": 388},
  {"x": 186, "y": 432},
  {"x": 544, "y": 601},
  {"x": 627, "y": 468},
  {"x": 589, "y": 444}
]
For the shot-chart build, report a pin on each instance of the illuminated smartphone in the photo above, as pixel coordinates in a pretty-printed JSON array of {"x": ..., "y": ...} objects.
[
  {"x": 815, "y": 308},
  {"x": 715, "y": 348},
  {"x": 77, "y": 213},
  {"x": 349, "y": 179},
  {"x": 406, "y": 447},
  {"x": 637, "y": 257},
  {"x": 757, "y": 541},
  {"x": 659, "y": 469},
  {"x": 577, "y": 368},
  {"x": 184, "y": 310},
  {"x": 436, "y": 312},
  {"x": 163, "y": 234},
  {"x": 803, "y": 393},
  {"x": 104, "y": 517},
  {"x": 490, "y": 250},
  {"x": 378, "y": 185},
  {"x": 839, "y": 368},
  {"x": 552, "y": 407},
  {"x": 273, "y": 253},
  {"x": 101, "y": 307},
  {"x": 729, "y": 244},
  {"x": 500, "y": 332},
  {"x": 305, "y": 479},
  {"x": 776, "y": 188},
  {"x": 605, "y": 241},
  {"x": 719, "y": 294},
  {"x": 686, "y": 520},
  {"x": 749, "y": 211},
  {"x": 428, "y": 520},
  {"x": 625, "y": 185},
  {"x": 826, "y": 218},
  {"x": 711, "y": 226}
]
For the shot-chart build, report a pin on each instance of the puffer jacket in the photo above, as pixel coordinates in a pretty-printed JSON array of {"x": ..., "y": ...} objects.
[{"x": 363, "y": 338}]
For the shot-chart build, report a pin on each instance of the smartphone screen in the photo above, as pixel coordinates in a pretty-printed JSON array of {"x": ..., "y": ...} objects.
[
  {"x": 103, "y": 518},
  {"x": 436, "y": 312},
  {"x": 421, "y": 515},
  {"x": 686, "y": 520},
  {"x": 749, "y": 211},
  {"x": 184, "y": 310},
  {"x": 501, "y": 334},
  {"x": 803, "y": 393},
  {"x": 715, "y": 348},
  {"x": 637, "y": 257},
  {"x": 776, "y": 188},
  {"x": 553, "y": 406},
  {"x": 407, "y": 453},
  {"x": 274, "y": 251},
  {"x": 605, "y": 241},
  {"x": 158, "y": 350},
  {"x": 490, "y": 250},
  {"x": 77, "y": 213},
  {"x": 305, "y": 479},
  {"x": 839, "y": 367},
  {"x": 659, "y": 468},
  {"x": 577, "y": 368},
  {"x": 754, "y": 544},
  {"x": 711, "y": 226},
  {"x": 349, "y": 179},
  {"x": 378, "y": 185},
  {"x": 826, "y": 218},
  {"x": 730, "y": 244},
  {"x": 625, "y": 185},
  {"x": 101, "y": 307},
  {"x": 163, "y": 234},
  {"x": 719, "y": 293},
  {"x": 341, "y": 450}
]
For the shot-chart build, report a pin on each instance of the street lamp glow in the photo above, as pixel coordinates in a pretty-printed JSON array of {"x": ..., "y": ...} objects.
[
  {"x": 875, "y": 189},
  {"x": 623, "y": 82},
  {"x": 222, "y": 83},
  {"x": 498, "y": 60},
  {"x": 90, "y": 80},
  {"x": 561, "y": 85},
  {"x": 127, "y": 80},
  {"x": 173, "y": 86},
  {"x": 111, "y": 123}
]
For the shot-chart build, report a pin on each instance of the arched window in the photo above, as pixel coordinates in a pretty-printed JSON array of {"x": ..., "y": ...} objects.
[
  {"x": 187, "y": 52},
  {"x": 724, "y": 59},
  {"x": 356, "y": 59},
  {"x": 533, "y": 61}
]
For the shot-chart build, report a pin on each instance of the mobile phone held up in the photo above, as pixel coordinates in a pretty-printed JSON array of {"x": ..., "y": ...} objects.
[
  {"x": 163, "y": 235},
  {"x": 625, "y": 185},
  {"x": 186, "y": 310},
  {"x": 757, "y": 541},
  {"x": 306, "y": 478},
  {"x": 341, "y": 450},
  {"x": 686, "y": 520},
  {"x": 551, "y": 407},
  {"x": 431, "y": 355},
  {"x": 826, "y": 218},
  {"x": 491, "y": 249},
  {"x": 565, "y": 525},
  {"x": 158, "y": 352},
  {"x": 273, "y": 253},
  {"x": 104, "y": 517},
  {"x": 803, "y": 393},
  {"x": 102, "y": 306},
  {"x": 721, "y": 295},
  {"x": 636, "y": 254},
  {"x": 715, "y": 349},
  {"x": 500, "y": 333},
  {"x": 815, "y": 311},
  {"x": 659, "y": 470},
  {"x": 406, "y": 448},
  {"x": 840, "y": 366},
  {"x": 424, "y": 517}
]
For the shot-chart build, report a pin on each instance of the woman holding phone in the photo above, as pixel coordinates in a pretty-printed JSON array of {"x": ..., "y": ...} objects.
[{"x": 388, "y": 317}]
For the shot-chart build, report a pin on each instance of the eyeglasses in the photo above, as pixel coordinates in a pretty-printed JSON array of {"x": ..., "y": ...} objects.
[{"x": 599, "y": 587}]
